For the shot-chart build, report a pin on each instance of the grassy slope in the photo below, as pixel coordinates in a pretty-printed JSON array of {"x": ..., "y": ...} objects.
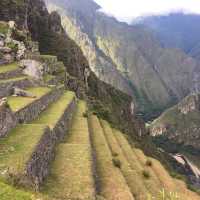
[
  {"x": 110, "y": 188},
  {"x": 133, "y": 178},
  {"x": 157, "y": 171},
  {"x": 51, "y": 116},
  {"x": 9, "y": 67},
  {"x": 9, "y": 193},
  {"x": 17, "y": 103},
  {"x": 16, "y": 149},
  {"x": 72, "y": 168}
]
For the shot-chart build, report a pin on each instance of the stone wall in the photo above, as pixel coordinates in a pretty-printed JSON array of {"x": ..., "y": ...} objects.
[
  {"x": 32, "y": 110},
  {"x": 6, "y": 87},
  {"x": 10, "y": 119},
  {"x": 7, "y": 120},
  {"x": 11, "y": 74},
  {"x": 38, "y": 166}
]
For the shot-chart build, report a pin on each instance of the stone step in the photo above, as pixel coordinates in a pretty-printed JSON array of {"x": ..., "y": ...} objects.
[
  {"x": 72, "y": 170},
  {"x": 7, "y": 85},
  {"x": 10, "y": 71},
  {"x": 134, "y": 179},
  {"x": 26, "y": 153},
  {"x": 110, "y": 180}
]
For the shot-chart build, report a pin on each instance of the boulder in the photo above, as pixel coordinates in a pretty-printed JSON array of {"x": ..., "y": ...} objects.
[
  {"x": 8, "y": 58},
  {"x": 19, "y": 92},
  {"x": 32, "y": 68},
  {"x": 5, "y": 50}
]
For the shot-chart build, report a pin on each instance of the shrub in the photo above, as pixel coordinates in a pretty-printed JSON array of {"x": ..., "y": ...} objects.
[
  {"x": 149, "y": 163},
  {"x": 115, "y": 154},
  {"x": 85, "y": 114},
  {"x": 146, "y": 174},
  {"x": 116, "y": 162}
]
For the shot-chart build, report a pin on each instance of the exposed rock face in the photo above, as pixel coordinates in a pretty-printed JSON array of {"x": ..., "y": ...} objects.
[
  {"x": 127, "y": 57},
  {"x": 189, "y": 104},
  {"x": 181, "y": 123},
  {"x": 32, "y": 68}
]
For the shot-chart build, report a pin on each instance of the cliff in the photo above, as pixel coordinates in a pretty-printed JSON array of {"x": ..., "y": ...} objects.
[{"x": 128, "y": 57}]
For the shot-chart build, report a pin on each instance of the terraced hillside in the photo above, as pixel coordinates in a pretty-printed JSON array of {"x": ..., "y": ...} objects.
[{"x": 66, "y": 153}]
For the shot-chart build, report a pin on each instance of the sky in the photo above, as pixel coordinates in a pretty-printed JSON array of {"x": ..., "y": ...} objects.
[{"x": 127, "y": 10}]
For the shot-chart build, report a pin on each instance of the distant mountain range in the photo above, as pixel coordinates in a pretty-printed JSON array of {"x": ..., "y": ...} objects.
[
  {"x": 176, "y": 30},
  {"x": 129, "y": 57}
]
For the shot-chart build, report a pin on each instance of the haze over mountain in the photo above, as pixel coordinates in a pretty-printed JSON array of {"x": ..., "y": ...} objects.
[
  {"x": 176, "y": 30},
  {"x": 128, "y": 57}
]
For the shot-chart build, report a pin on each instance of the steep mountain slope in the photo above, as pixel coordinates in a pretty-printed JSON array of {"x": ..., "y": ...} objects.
[
  {"x": 177, "y": 132},
  {"x": 47, "y": 30},
  {"x": 128, "y": 57},
  {"x": 55, "y": 144},
  {"x": 176, "y": 30},
  {"x": 181, "y": 123}
]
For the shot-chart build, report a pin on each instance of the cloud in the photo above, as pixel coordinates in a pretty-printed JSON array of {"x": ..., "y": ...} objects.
[{"x": 127, "y": 10}]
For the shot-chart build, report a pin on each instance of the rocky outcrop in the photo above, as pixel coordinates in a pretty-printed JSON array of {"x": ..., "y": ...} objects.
[
  {"x": 180, "y": 123},
  {"x": 32, "y": 68},
  {"x": 189, "y": 104}
]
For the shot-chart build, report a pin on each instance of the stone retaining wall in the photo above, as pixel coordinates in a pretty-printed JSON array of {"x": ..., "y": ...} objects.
[
  {"x": 11, "y": 74},
  {"x": 32, "y": 110},
  {"x": 38, "y": 166},
  {"x": 7, "y": 120},
  {"x": 6, "y": 87}
]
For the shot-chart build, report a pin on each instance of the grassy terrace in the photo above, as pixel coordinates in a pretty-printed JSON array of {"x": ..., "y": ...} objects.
[
  {"x": 17, "y": 103},
  {"x": 71, "y": 171},
  {"x": 9, "y": 67},
  {"x": 54, "y": 112},
  {"x": 134, "y": 180},
  {"x": 152, "y": 183},
  {"x": 9, "y": 193},
  {"x": 14, "y": 79},
  {"x": 111, "y": 182},
  {"x": 16, "y": 149}
]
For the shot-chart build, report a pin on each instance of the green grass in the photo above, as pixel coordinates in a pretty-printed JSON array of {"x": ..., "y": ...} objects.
[
  {"x": 54, "y": 112},
  {"x": 152, "y": 184},
  {"x": 72, "y": 169},
  {"x": 16, "y": 149},
  {"x": 111, "y": 181},
  {"x": 3, "y": 27},
  {"x": 9, "y": 67},
  {"x": 10, "y": 193},
  {"x": 48, "y": 77},
  {"x": 14, "y": 79},
  {"x": 133, "y": 179},
  {"x": 17, "y": 103}
]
